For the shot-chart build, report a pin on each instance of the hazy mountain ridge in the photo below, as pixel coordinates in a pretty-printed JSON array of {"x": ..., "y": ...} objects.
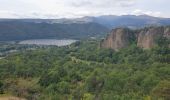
[
  {"x": 17, "y": 29},
  {"x": 110, "y": 21},
  {"x": 131, "y": 21}
]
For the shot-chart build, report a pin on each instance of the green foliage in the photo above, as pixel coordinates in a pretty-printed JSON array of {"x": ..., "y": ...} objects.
[
  {"x": 161, "y": 91},
  {"x": 162, "y": 51},
  {"x": 85, "y": 71},
  {"x": 1, "y": 87}
]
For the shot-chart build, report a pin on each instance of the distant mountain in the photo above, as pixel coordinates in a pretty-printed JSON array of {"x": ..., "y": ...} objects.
[
  {"x": 106, "y": 20},
  {"x": 51, "y": 21},
  {"x": 11, "y": 29},
  {"x": 21, "y": 30},
  {"x": 130, "y": 21}
]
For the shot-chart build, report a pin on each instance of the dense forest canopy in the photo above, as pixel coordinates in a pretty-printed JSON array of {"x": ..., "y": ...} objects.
[{"x": 84, "y": 71}]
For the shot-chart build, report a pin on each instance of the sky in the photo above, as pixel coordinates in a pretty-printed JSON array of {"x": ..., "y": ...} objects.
[{"x": 81, "y": 8}]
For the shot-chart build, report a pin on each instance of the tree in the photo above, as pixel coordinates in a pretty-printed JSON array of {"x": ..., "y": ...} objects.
[
  {"x": 161, "y": 91},
  {"x": 1, "y": 88}
]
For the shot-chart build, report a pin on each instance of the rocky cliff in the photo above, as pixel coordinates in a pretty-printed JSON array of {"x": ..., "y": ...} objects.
[
  {"x": 145, "y": 38},
  {"x": 119, "y": 38}
]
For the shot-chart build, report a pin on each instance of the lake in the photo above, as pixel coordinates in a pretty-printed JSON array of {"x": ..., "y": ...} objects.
[{"x": 54, "y": 42}]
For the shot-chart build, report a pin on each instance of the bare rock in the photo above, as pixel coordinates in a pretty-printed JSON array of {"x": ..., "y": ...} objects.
[
  {"x": 145, "y": 38},
  {"x": 119, "y": 38}
]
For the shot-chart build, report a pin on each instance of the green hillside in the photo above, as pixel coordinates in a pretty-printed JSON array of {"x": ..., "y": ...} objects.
[
  {"x": 18, "y": 30},
  {"x": 83, "y": 71}
]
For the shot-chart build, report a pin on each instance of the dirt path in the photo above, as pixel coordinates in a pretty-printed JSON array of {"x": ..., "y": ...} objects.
[{"x": 85, "y": 61}]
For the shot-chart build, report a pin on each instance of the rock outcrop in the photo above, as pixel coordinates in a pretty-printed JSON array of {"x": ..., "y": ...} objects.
[
  {"x": 119, "y": 38},
  {"x": 145, "y": 38}
]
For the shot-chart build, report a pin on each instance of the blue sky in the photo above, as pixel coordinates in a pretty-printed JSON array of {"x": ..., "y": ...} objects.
[{"x": 80, "y": 8}]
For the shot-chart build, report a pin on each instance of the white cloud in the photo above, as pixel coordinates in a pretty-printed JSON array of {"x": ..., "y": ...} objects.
[
  {"x": 101, "y": 3},
  {"x": 142, "y": 12},
  {"x": 7, "y": 14},
  {"x": 74, "y": 8}
]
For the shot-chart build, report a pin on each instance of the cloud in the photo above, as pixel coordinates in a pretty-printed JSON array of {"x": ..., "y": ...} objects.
[
  {"x": 101, "y": 3},
  {"x": 80, "y": 4},
  {"x": 126, "y": 3},
  {"x": 78, "y": 8},
  {"x": 7, "y": 14},
  {"x": 142, "y": 12}
]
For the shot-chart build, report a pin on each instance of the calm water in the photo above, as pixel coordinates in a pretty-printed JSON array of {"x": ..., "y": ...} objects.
[{"x": 48, "y": 42}]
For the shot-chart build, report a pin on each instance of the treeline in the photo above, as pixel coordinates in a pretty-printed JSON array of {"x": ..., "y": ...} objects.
[{"x": 83, "y": 71}]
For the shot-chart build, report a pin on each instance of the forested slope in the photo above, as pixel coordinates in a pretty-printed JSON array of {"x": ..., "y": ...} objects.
[
  {"x": 85, "y": 71},
  {"x": 18, "y": 30}
]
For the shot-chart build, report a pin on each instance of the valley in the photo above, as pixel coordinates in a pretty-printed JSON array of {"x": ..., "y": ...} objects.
[{"x": 84, "y": 50}]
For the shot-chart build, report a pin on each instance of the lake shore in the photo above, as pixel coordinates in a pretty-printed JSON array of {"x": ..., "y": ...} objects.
[{"x": 54, "y": 42}]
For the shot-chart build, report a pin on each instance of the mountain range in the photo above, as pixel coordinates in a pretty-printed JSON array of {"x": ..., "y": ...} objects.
[{"x": 19, "y": 29}]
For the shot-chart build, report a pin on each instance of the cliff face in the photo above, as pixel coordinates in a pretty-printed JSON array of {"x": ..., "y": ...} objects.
[
  {"x": 119, "y": 38},
  {"x": 146, "y": 38},
  {"x": 167, "y": 32}
]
